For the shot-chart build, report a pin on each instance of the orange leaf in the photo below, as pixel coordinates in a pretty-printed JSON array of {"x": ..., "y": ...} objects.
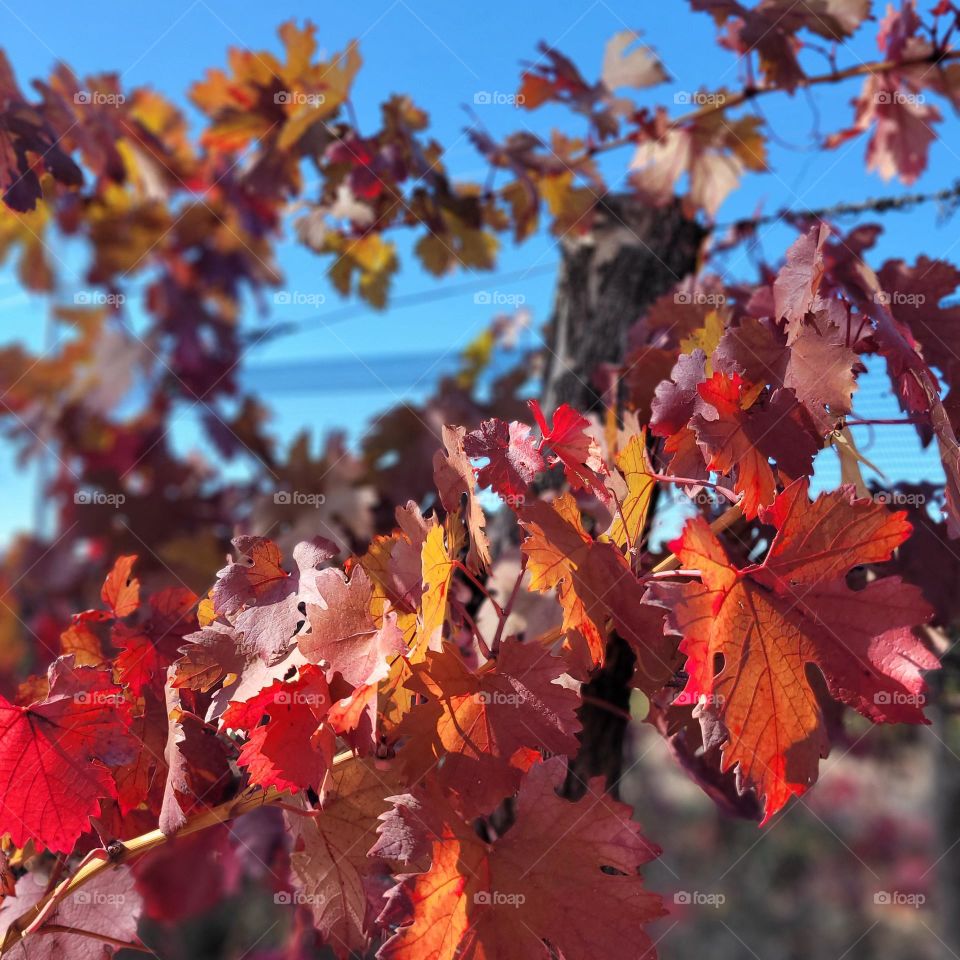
[{"x": 765, "y": 626}]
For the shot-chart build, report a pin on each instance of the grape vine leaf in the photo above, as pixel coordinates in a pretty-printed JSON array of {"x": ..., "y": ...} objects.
[
  {"x": 344, "y": 632},
  {"x": 331, "y": 870},
  {"x": 108, "y": 906},
  {"x": 573, "y": 446},
  {"x": 512, "y": 898},
  {"x": 293, "y": 749},
  {"x": 55, "y": 756},
  {"x": 262, "y": 598},
  {"x": 476, "y": 721},
  {"x": 769, "y": 622},
  {"x": 513, "y": 457}
]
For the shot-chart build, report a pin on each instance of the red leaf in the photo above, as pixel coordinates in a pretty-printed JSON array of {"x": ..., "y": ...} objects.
[
  {"x": 579, "y": 452},
  {"x": 55, "y": 755},
  {"x": 514, "y": 458},
  {"x": 293, "y": 749}
]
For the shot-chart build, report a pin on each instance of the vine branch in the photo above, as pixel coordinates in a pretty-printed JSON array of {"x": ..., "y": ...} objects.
[{"x": 99, "y": 861}]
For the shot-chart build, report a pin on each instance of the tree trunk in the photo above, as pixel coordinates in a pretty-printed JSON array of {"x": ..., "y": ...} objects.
[{"x": 608, "y": 278}]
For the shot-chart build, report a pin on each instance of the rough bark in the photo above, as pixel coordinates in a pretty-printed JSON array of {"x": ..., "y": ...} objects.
[{"x": 632, "y": 255}]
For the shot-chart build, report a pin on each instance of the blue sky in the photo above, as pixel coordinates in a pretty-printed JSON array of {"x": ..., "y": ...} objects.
[{"x": 443, "y": 54}]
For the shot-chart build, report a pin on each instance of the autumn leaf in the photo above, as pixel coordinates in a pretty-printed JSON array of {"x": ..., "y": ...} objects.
[
  {"x": 740, "y": 434},
  {"x": 85, "y": 925},
  {"x": 293, "y": 749},
  {"x": 121, "y": 591},
  {"x": 454, "y": 478},
  {"x": 594, "y": 584},
  {"x": 344, "y": 633},
  {"x": 56, "y": 755},
  {"x": 262, "y": 598},
  {"x": 630, "y": 520},
  {"x": 767, "y": 623},
  {"x": 513, "y": 459},
  {"x": 511, "y": 898},
  {"x": 475, "y": 721},
  {"x": 627, "y": 63},
  {"x": 329, "y": 862},
  {"x": 796, "y": 291},
  {"x": 573, "y": 446},
  {"x": 437, "y": 566}
]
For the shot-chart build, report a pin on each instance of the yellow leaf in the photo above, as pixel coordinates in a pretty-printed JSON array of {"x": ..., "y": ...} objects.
[
  {"x": 706, "y": 338},
  {"x": 437, "y": 573},
  {"x": 630, "y": 521}
]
